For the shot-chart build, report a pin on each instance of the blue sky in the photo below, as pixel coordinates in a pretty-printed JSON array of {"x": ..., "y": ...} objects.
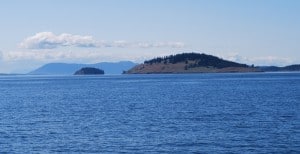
[{"x": 35, "y": 32}]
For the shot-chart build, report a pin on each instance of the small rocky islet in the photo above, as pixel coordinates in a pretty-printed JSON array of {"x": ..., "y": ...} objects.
[{"x": 89, "y": 71}]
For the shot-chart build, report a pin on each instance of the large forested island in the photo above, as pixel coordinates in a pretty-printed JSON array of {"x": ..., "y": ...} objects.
[{"x": 190, "y": 63}]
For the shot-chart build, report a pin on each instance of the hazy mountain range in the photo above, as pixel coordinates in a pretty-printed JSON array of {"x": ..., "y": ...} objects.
[
  {"x": 295, "y": 67},
  {"x": 69, "y": 69}
]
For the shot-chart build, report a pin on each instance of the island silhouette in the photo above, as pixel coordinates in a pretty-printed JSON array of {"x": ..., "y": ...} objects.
[{"x": 89, "y": 71}]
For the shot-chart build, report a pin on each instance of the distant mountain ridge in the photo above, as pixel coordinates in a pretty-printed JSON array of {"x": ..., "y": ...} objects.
[
  {"x": 69, "y": 69},
  {"x": 190, "y": 63},
  {"x": 295, "y": 67}
]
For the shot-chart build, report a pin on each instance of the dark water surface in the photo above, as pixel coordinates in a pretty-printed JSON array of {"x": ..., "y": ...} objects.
[{"x": 205, "y": 113}]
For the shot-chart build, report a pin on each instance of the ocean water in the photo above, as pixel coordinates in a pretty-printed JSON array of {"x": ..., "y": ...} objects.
[{"x": 180, "y": 113}]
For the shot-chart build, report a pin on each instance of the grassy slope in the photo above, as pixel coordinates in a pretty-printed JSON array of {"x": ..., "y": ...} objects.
[{"x": 181, "y": 68}]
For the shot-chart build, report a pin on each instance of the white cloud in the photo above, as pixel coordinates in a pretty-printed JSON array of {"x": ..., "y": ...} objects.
[
  {"x": 161, "y": 45},
  {"x": 48, "y": 40},
  {"x": 271, "y": 60},
  {"x": 110, "y": 55},
  {"x": 88, "y": 56},
  {"x": 261, "y": 61},
  {"x": 46, "y": 55}
]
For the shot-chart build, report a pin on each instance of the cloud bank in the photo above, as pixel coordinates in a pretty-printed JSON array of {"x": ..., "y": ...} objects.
[
  {"x": 48, "y": 40},
  {"x": 96, "y": 56},
  {"x": 260, "y": 61}
]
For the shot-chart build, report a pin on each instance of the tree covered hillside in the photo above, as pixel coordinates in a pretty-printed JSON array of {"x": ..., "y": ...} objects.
[{"x": 195, "y": 60}]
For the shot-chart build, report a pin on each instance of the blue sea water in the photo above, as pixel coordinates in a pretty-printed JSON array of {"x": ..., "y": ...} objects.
[{"x": 180, "y": 113}]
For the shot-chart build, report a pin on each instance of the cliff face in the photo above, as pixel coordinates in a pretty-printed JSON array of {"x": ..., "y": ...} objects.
[
  {"x": 89, "y": 71},
  {"x": 189, "y": 63}
]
